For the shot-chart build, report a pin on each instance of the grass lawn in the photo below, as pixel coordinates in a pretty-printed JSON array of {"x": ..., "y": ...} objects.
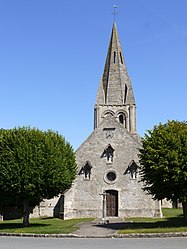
[
  {"x": 41, "y": 226},
  {"x": 172, "y": 221}
]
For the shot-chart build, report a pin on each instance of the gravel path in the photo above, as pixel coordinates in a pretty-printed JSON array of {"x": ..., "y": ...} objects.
[{"x": 97, "y": 229}]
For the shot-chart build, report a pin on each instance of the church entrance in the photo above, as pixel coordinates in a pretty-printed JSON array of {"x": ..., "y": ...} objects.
[{"x": 112, "y": 203}]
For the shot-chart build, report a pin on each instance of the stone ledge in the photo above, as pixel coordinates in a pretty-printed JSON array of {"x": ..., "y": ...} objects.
[
  {"x": 151, "y": 235},
  {"x": 133, "y": 235}
]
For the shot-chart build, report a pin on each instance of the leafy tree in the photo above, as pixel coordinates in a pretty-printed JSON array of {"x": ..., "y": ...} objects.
[
  {"x": 163, "y": 158},
  {"x": 34, "y": 165}
]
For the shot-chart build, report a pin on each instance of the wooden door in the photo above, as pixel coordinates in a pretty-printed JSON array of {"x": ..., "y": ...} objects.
[{"x": 112, "y": 203}]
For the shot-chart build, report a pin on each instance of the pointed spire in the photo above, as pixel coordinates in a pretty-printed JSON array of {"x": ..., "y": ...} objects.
[
  {"x": 115, "y": 95},
  {"x": 115, "y": 87}
]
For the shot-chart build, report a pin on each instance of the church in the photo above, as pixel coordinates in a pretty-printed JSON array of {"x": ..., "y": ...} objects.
[
  {"x": 108, "y": 164},
  {"x": 108, "y": 178}
]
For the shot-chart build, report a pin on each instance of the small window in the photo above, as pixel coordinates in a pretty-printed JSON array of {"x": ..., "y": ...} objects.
[
  {"x": 121, "y": 118},
  {"x": 132, "y": 170},
  {"x": 86, "y": 170},
  {"x": 121, "y": 58},
  {"x": 114, "y": 56},
  {"x": 111, "y": 176},
  {"x": 108, "y": 154},
  {"x": 125, "y": 97}
]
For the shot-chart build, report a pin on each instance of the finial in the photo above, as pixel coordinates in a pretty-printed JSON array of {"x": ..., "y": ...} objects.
[{"x": 114, "y": 12}]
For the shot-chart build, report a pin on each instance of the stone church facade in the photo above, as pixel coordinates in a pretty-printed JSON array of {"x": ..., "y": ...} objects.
[
  {"x": 108, "y": 164},
  {"x": 108, "y": 160}
]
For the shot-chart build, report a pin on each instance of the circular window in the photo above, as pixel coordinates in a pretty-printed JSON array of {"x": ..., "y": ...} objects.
[{"x": 111, "y": 176}]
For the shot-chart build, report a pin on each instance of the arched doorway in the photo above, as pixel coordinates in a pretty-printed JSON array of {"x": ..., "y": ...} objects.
[{"x": 112, "y": 203}]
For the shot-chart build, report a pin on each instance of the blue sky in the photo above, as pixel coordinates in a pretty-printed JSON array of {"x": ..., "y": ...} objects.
[{"x": 52, "y": 55}]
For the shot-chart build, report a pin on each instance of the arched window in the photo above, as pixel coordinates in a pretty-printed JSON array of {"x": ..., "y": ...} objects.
[
  {"x": 108, "y": 114},
  {"x": 122, "y": 119}
]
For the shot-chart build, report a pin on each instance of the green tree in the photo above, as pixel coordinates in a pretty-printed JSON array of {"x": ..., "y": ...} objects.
[
  {"x": 163, "y": 159},
  {"x": 34, "y": 165}
]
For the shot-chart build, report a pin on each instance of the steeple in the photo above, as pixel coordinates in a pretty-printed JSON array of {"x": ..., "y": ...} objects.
[{"x": 115, "y": 95}]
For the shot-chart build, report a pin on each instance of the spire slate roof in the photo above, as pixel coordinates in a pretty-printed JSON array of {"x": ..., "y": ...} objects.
[{"x": 115, "y": 87}]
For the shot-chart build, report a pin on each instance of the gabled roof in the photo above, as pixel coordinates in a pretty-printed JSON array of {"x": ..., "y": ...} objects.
[{"x": 118, "y": 133}]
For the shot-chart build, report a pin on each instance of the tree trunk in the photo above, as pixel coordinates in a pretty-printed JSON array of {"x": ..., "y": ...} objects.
[
  {"x": 184, "y": 205},
  {"x": 26, "y": 213}
]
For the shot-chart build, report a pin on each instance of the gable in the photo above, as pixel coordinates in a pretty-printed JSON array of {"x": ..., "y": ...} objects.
[
  {"x": 110, "y": 140},
  {"x": 109, "y": 130}
]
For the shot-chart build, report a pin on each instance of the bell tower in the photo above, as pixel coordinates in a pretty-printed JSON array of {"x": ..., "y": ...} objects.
[{"x": 115, "y": 94}]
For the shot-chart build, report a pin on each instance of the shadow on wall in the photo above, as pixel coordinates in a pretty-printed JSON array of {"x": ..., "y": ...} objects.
[
  {"x": 11, "y": 213},
  {"x": 58, "y": 211}
]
